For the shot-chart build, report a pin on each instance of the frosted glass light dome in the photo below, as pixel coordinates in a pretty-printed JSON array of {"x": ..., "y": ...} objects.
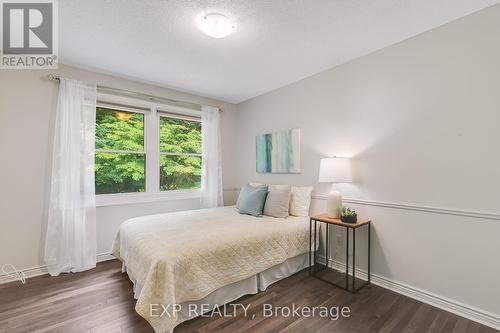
[{"x": 216, "y": 25}]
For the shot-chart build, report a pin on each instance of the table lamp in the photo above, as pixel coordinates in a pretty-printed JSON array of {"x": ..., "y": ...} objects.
[{"x": 334, "y": 170}]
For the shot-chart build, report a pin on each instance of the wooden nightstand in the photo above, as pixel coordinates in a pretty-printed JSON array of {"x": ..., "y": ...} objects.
[{"x": 349, "y": 226}]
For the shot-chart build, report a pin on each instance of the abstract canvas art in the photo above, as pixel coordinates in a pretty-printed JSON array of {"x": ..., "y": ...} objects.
[{"x": 279, "y": 152}]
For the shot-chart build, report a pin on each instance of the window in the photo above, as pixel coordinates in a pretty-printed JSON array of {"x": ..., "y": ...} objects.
[
  {"x": 180, "y": 153},
  {"x": 120, "y": 157},
  {"x": 145, "y": 154}
]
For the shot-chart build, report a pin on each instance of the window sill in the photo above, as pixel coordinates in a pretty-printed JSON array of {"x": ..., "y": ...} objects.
[{"x": 103, "y": 200}]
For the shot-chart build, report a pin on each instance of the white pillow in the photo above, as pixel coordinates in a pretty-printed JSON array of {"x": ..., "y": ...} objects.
[
  {"x": 300, "y": 200},
  {"x": 277, "y": 202},
  {"x": 280, "y": 187}
]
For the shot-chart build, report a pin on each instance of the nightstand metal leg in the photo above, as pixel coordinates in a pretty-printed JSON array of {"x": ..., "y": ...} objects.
[
  {"x": 310, "y": 244},
  {"x": 347, "y": 259},
  {"x": 369, "y": 252},
  {"x": 327, "y": 245},
  {"x": 314, "y": 249},
  {"x": 353, "y": 259}
]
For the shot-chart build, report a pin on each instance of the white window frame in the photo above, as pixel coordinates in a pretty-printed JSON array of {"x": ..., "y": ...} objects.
[{"x": 151, "y": 113}]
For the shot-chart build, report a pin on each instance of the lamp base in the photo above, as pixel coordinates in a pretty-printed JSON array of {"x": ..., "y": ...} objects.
[{"x": 333, "y": 204}]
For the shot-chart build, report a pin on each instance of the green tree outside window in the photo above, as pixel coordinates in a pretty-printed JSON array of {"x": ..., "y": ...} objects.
[
  {"x": 120, "y": 160},
  {"x": 180, "y": 154}
]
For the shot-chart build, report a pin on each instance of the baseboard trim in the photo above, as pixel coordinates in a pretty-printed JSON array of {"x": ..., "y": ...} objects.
[
  {"x": 105, "y": 257},
  {"x": 42, "y": 270},
  {"x": 460, "y": 309},
  {"x": 427, "y": 209}
]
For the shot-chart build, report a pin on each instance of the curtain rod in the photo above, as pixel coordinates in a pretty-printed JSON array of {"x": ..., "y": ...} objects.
[{"x": 129, "y": 93}]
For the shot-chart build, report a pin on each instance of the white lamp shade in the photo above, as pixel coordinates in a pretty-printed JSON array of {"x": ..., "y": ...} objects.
[{"x": 335, "y": 170}]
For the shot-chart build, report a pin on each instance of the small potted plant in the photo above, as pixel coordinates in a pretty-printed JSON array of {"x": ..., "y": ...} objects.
[{"x": 348, "y": 215}]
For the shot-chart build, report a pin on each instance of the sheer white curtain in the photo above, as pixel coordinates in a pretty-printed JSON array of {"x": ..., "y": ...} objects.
[
  {"x": 70, "y": 244},
  {"x": 211, "y": 177}
]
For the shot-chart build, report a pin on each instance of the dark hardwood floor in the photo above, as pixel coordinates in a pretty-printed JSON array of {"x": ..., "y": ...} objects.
[{"x": 101, "y": 300}]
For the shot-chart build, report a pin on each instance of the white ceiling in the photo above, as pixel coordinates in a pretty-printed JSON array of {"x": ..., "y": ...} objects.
[{"x": 277, "y": 42}]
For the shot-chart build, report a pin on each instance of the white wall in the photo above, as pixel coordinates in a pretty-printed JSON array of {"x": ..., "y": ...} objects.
[
  {"x": 421, "y": 121},
  {"x": 27, "y": 111}
]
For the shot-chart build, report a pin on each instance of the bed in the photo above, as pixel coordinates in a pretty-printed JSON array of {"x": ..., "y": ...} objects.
[{"x": 208, "y": 256}]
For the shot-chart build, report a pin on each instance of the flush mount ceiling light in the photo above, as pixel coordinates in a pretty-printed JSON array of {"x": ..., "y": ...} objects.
[{"x": 216, "y": 25}]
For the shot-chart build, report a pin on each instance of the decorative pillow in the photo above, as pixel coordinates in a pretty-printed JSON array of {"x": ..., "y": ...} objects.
[
  {"x": 251, "y": 200},
  {"x": 300, "y": 200},
  {"x": 280, "y": 187},
  {"x": 277, "y": 202},
  {"x": 251, "y": 184}
]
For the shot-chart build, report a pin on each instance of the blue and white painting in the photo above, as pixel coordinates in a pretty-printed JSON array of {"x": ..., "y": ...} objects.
[{"x": 279, "y": 152}]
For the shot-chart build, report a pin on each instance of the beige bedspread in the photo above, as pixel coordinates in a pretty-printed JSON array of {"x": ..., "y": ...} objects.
[{"x": 184, "y": 256}]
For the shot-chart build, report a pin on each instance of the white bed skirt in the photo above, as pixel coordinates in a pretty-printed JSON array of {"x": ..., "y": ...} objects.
[{"x": 229, "y": 293}]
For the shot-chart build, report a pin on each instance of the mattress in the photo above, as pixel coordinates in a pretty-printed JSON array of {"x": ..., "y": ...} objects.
[{"x": 185, "y": 256}]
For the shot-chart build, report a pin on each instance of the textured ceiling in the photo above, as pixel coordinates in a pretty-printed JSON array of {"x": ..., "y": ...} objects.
[{"x": 277, "y": 42}]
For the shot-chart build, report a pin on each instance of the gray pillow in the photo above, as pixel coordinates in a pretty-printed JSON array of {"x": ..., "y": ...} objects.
[
  {"x": 277, "y": 203},
  {"x": 251, "y": 200},
  {"x": 249, "y": 184}
]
